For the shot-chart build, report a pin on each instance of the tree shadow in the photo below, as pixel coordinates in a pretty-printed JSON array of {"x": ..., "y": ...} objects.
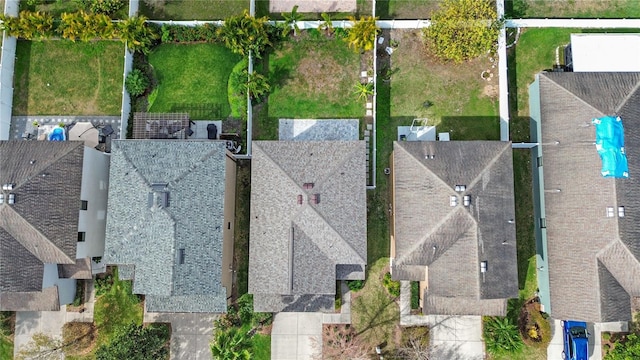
[
  {"x": 375, "y": 313},
  {"x": 20, "y": 81}
]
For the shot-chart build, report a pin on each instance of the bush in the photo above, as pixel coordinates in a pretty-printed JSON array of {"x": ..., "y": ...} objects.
[
  {"x": 415, "y": 294},
  {"x": 106, "y": 7},
  {"x": 236, "y": 90},
  {"x": 103, "y": 285},
  {"x": 78, "y": 337},
  {"x": 136, "y": 82},
  {"x": 135, "y": 342},
  {"x": 186, "y": 34},
  {"x": 501, "y": 336},
  {"x": 392, "y": 286},
  {"x": 355, "y": 285},
  {"x": 79, "y": 298}
]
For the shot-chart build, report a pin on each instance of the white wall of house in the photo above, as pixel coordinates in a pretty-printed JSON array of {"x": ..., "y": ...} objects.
[
  {"x": 95, "y": 186},
  {"x": 66, "y": 287}
]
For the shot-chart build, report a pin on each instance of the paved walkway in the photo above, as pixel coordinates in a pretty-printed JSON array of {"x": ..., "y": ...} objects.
[
  {"x": 190, "y": 333},
  {"x": 29, "y": 323}
]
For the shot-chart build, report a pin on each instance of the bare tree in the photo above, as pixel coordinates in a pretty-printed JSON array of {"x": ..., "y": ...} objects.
[{"x": 341, "y": 342}]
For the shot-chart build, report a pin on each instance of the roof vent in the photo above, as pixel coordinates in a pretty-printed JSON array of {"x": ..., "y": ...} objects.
[
  {"x": 453, "y": 200},
  {"x": 12, "y": 199},
  {"x": 466, "y": 200},
  {"x": 621, "y": 211},
  {"x": 299, "y": 199},
  {"x": 181, "y": 256},
  {"x": 315, "y": 198},
  {"x": 461, "y": 188},
  {"x": 32, "y": 161},
  {"x": 1, "y": 198},
  {"x": 483, "y": 266},
  {"x": 610, "y": 212},
  {"x": 308, "y": 186},
  {"x": 8, "y": 186}
]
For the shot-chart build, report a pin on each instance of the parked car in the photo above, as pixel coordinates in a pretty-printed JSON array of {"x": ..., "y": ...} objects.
[{"x": 576, "y": 340}]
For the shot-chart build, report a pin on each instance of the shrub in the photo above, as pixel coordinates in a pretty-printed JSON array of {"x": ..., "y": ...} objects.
[
  {"x": 501, "y": 336},
  {"x": 136, "y": 342},
  {"x": 106, "y": 7},
  {"x": 185, "y": 34},
  {"x": 392, "y": 286},
  {"x": 236, "y": 90},
  {"x": 78, "y": 337},
  {"x": 103, "y": 285},
  {"x": 136, "y": 82},
  {"x": 415, "y": 295},
  {"x": 355, "y": 285}
]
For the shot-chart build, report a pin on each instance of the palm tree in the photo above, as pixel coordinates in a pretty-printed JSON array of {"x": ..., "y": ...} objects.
[
  {"x": 362, "y": 35},
  {"x": 363, "y": 90},
  {"x": 245, "y": 33},
  {"x": 501, "y": 336},
  {"x": 257, "y": 85},
  {"x": 291, "y": 22},
  {"x": 135, "y": 32},
  {"x": 326, "y": 24},
  {"x": 232, "y": 344}
]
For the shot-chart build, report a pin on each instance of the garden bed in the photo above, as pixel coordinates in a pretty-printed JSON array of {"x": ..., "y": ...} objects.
[
  {"x": 58, "y": 7},
  {"x": 60, "y": 77},
  {"x": 193, "y": 78},
  {"x": 192, "y": 9}
]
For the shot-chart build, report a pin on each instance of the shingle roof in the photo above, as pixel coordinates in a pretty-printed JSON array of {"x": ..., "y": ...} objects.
[
  {"x": 143, "y": 232},
  {"x": 297, "y": 250},
  {"x": 446, "y": 244},
  {"x": 593, "y": 260},
  {"x": 42, "y": 225}
]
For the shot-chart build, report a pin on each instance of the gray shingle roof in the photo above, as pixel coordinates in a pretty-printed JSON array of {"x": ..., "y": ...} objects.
[
  {"x": 593, "y": 260},
  {"x": 446, "y": 244},
  {"x": 42, "y": 226},
  {"x": 144, "y": 233},
  {"x": 297, "y": 251}
]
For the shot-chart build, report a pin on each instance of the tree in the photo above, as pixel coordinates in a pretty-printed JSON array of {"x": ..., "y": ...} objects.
[
  {"x": 463, "y": 29},
  {"x": 137, "y": 34},
  {"x": 342, "y": 342},
  {"x": 501, "y": 335},
  {"x": 136, "y": 82},
  {"x": 363, "y": 90},
  {"x": 244, "y": 33},
  {"x": 258, "y": 86},
  {"x": 231, "y": 344},
  {"x": 326, "y": 25},
  {"x": 136, "y": 342},
  {"x": 629, "y": 349},
  {"x": 362, "y": 35},
  {"x": 414, "y": 343},
  {"x": 291, "y": 22}
]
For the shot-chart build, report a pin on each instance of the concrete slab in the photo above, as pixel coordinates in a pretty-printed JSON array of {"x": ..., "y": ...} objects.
[
  {"x": 296, "y": 336},
  {"x": 191, "y": 333},
  {"x": 456, "y": 337},
  {"x": 313, "y": 6},
  {"x": 315, "y": 130}
]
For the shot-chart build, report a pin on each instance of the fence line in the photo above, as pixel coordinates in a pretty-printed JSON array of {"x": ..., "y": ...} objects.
[{"x": 7, "y": 64}]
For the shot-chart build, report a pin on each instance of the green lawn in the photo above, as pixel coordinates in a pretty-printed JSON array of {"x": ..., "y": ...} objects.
[
  {"x": 116, "y": 308},
  {"x": 193, "y": 78},
  {"x": 261, "y": 347},
  {"x": 576, "y": 9},
  {"x": 461, "y": 102},
  {"x": 6, "y": 348},
  {"x": 406, "y": 9},
  {"x": 57, "y": 7},
  {"x": 192, "y": 9},
  {"x": 314, "y": 79},
  {"x": 60, "y": 77}
]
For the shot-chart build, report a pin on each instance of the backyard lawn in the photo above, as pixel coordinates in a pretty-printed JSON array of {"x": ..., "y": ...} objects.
[
  {"x": 192, "y": 9},
  {"x": 455, "y": 97},
  {"x": 6, "y": 348},
  {"x": 193, "y": 78},
  {"x": 576, "y": 9},
  {"x": 314, "y": 79},
  {"x": 406, "y": 9},
  {"x": 67, "y": 78},
  {"x": 56, "y": 8}
]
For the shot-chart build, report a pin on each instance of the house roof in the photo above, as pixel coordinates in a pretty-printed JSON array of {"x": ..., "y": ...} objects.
[
  {"x": 299, "y": 248},
  {"x": 445, "y": 243},
  {"x": 165, "y": 217},
  {"x": 593, "y": 259},
  {"x": 42, "y": 225}
]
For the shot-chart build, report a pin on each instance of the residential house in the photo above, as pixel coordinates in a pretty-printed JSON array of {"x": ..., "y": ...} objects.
[
  {"x": 170, "y": 222},
  {"x": 453, "y": 227},
  {"x": 587, "y": 226},
  {"x": 308, "y": 222},
  {"x": 52, "y": 221}
]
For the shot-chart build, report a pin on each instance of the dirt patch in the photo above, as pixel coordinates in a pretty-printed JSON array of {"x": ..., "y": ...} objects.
[
  {"x": 317, "y": 75},
  {"x": 491, "y": 91}
]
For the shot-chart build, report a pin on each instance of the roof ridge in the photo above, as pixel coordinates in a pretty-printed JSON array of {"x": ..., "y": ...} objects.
[
  {"x": 6, "y": 211},
  {"x": 53, "y": 161},
  {"x": 618, "y": 244},
  {"x": 626, "y": 98},
  {"x": 490, "y": 164},
  {"x": 344, "y": 160},
  {"x": 266, "y": 155},
  {"x": 573, "y": 95}
]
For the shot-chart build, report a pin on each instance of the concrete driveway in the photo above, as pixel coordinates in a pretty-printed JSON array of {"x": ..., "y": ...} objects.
[
  {"x": 190, "y": 333},
  {"x": 456, "y": 337},
  {"x": 554, "y": 351},
  {"x": 296, "y": 336}
]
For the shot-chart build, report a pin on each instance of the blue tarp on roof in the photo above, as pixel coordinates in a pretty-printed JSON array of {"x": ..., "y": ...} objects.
[{"x": 610, "y": 146}]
